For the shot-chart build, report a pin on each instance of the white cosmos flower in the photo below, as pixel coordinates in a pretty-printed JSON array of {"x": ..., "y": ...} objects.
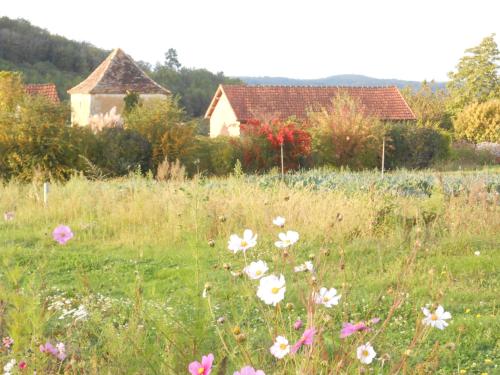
[
  {"x": 272, "y": 289},
  {"x": 236, "y": 243},
  {"x": 327, "y": 297},
  {"x": 365, "y": 353},
  {"x": 307, "y": 266},
  {"x": 279, "y": 221},
  {"x": 287, "y": 239},
  {"x": 9, "y": 366},
  {"x": 477, "y": 253},
  {"x": 437, "y": 318},
  {"x": 280, "y": 347},
  {"x": 256, "y": 270}
]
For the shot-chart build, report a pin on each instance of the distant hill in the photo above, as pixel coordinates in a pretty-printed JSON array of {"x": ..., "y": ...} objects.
[{"x": 337, "y": 80}]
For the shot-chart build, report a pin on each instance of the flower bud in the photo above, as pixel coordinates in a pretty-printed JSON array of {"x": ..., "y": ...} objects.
[
  {"x": 236, "y": 330},
  {"x": 211, "y": 243},
  {"x": 312, "y": 256},
  {"x": 208, "y": 286},
  {"x": 221, "y": 320},
  {"x": 241, "y": 337},
  {"x": 290, "y": 306},
  {"x": 222, "y": 219}
]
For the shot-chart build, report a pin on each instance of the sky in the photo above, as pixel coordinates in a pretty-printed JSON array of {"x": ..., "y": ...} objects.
[{"x": 411, "y": 40}]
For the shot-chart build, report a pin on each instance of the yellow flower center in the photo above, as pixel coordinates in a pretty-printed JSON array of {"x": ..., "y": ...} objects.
[
  {"x": 365, "y": 353},
  {"x": 283, "y": 346},
  {"x": 275, "y": 290},
  {"x": 326, "y": 299},
  {"x": 201, "y": 370},
  {"x": 434, "y": 317},
  {"x": 244, "y": 243},
  {"x": 258, "y": 272}
]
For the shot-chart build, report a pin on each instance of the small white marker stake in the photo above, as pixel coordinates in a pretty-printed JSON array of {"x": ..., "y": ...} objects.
[{"x": 45, "y": 193}]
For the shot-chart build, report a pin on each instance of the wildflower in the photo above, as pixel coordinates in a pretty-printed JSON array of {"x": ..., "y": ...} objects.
[
  {"x": 365, "y": 353},
  {"x": 437, "y": 318},
  {"x": 477, "y": 253},
  {"x": 256, "y": 270},
  {"x": 327, "y": 297},
  {"x": 211, "y": 243},
  {"x": 206, "y": 289},
  {"x": 348, "y": 328},
  {"x": 247, "y": 370},
  {"x": 221, "y": 320},
  {"x": 287, "y": 239},
  {"x": 279, "y": 221},
  {"x": 9, "y": 366},
  {"x": 59, "y": 351},
  {"x": 272, "y": 289},
  {"x": 7, "y": 342},
  {"x": 297, "y": 325},
  {"x": 62, "y": 234},
  {"x": 203, "y": 368},
  {"x": 306, "y": 339},
  {"x": 236, "y": 243},
  {"x": 9, "y": 216},
  {"x": 307, "y": 266},
  {"x": 280, "y": 347},
  {"x": 22, "y": 365}
]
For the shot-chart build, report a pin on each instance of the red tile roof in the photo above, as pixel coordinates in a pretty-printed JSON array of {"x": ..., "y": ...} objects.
[
  {"x": 385, "y": 103},
  {"x": 48, "y": 90}
]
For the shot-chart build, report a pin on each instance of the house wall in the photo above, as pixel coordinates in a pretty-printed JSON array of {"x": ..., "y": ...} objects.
[
  {"x": 80, "y": 109},
  {"x": 83, "y": 106},
  {"x": 223, "y": 120}
]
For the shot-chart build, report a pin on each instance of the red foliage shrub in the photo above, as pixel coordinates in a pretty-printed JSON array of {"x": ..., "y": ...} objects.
[{"x": 261, "y": 144}]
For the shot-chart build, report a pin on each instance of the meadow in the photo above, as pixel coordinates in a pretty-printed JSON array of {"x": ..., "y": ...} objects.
[{"x": 147, "y": 285}]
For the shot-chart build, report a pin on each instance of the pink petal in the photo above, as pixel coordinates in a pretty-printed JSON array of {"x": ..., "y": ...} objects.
[{"x": 194, "y": 367}]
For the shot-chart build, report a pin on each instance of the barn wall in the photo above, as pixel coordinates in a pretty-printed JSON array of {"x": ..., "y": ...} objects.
[
  {"x": 223, "y": 120},
  {"x": 80, "y": 109}
]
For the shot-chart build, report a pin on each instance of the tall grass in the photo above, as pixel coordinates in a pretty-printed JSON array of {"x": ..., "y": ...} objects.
[{"x": 145, "y": 250}]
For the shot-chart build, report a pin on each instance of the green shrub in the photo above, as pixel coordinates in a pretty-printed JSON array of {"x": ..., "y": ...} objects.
[
  {"x": 217, "y": 156},
  {"x": 479, "y": 122},
  {"x": 412, "y": 147},
  {"x": 36, "y": 138},
  {"x": 121, "y": 151},
  {"x": 345, "y": 136}
]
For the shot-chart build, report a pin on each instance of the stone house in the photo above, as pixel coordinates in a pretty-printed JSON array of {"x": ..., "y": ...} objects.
[
  {"x": 233, "y": 105},
  {"x": 106, "y": 87}
]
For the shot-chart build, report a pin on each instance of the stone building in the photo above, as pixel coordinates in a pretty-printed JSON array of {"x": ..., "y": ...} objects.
[{"x": 108, "y": 84}]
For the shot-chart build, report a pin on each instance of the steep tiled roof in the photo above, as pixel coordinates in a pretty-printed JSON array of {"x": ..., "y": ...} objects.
[
  {"x": 48, "y": 90},
  {"x": 117, "y": 75},
  {"x": 385, "y": 103}
]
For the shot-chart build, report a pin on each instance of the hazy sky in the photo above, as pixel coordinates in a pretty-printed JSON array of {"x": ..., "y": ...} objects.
[{"x": 421, "y": 39}]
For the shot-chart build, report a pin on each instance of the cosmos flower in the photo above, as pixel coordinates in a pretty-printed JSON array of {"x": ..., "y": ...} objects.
[
  {"x": 256, "y": 270},
  {"x": 280, "y": 347},
  {"x": 297, "y": 325},
  {"x": 247, "y": 370},
  {"x": 477, "y": 253},
  {"x": 365, "y": 353},
  {"x": 9, "y": 366},
  {"x": 287, "y": 239},
  {"x": 62, "y": 234},
  {"x": 22, "y": 365},
  {"x": 327, "y": 297},
  {"x": 306, "y": 339},
  {"x": 437, "y": 318},
  {"x": 203, "y": 368},
  {"x": 7, "y": 342},
  {"x": 307, "y": 266},
  {"x": 236, "y": 243},
  {"x": 59, "y": 351},
  {"x": 272, "y": 289},
  {"x": 279, "y": 221},
  {"x": 348, "y": 328}
]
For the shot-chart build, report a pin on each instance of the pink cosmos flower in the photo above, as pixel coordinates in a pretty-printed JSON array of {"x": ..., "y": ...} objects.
[
  {"x": 297, "y": 325},
  {"x": 59, "y": 351},
  {"x": 247, "y": 370},
  {"x": 22, "y": 365},
  {"x": 348, "y": 328},
  {"x": 62, "y": 234},
  {"x": 203, "y": 368},
  {"x": 7, "y": 342},
  {"x": 306, "y": 339}
]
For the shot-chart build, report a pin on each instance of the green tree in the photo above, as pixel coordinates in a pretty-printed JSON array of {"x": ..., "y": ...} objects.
[
  {"x": 476, "y": 78},
  {"x": 429, "y": 104},
  {"x": 171, "y": 59},
  {"x": 11, "y": 91},
  {"x": 479, "y": 122}
]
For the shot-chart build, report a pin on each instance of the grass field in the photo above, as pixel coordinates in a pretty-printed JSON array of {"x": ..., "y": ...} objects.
[{"x": 125, "y": 294}]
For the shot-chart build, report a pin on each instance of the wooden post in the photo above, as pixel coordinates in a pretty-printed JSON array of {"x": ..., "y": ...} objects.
[
  {"x": 383, "y": 156},
  {"x": 45, "y": 193},
  {"x": 282, "y": 164}
]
